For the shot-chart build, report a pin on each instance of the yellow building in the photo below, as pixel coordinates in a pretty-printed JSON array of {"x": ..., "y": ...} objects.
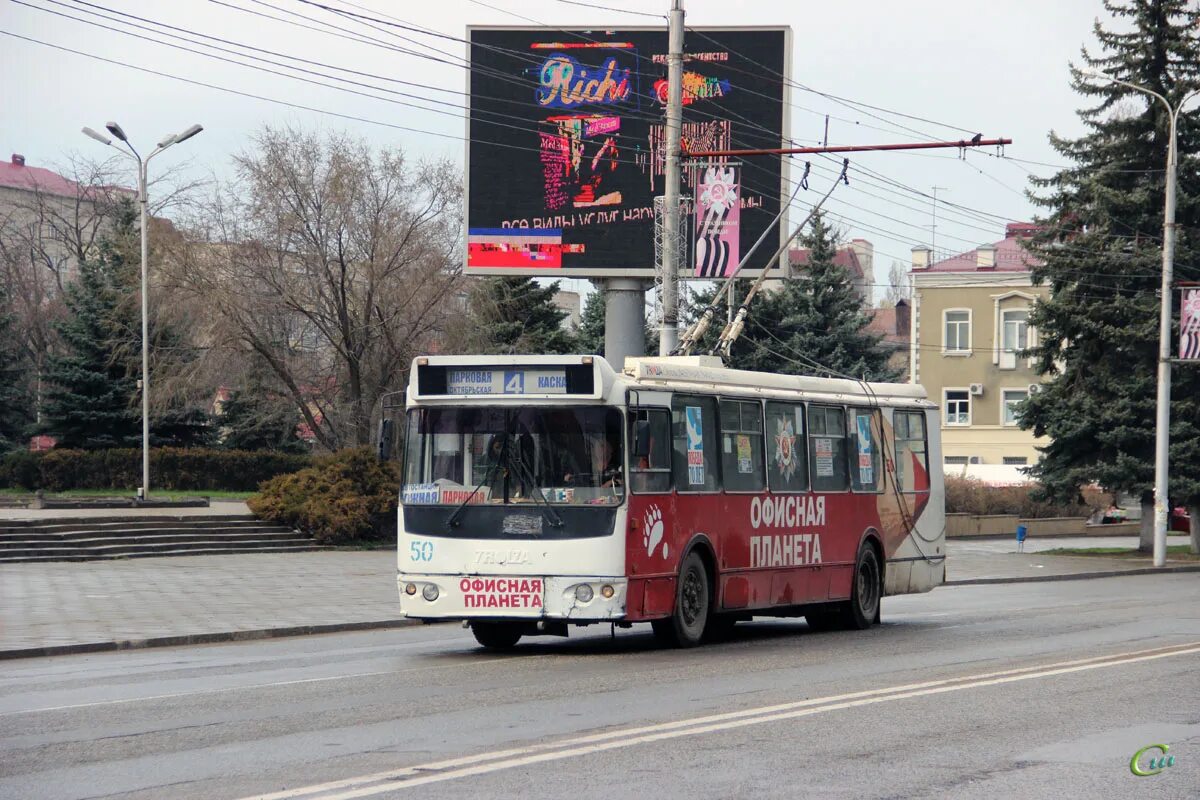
[{"x": 970, "y": 319}]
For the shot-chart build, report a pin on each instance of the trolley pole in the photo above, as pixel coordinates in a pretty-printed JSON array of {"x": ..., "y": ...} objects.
[{"x": 668, "y": 336}]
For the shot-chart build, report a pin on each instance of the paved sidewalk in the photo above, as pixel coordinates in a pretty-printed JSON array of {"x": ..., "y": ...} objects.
[{"x": 102, "y": 605}]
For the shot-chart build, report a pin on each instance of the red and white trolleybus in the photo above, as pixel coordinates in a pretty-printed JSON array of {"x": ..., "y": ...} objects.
[{"x": 541, "y": 492}]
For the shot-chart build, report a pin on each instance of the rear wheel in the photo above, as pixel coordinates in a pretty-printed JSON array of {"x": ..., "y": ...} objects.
[
  {"x": 693, "y": 598},
  {"x": 496, "y": 635},
  {"x": 862, "y": 609}
]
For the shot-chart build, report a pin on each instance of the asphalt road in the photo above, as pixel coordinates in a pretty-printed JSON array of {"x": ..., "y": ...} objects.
[{"x": 1020, "y": 690}]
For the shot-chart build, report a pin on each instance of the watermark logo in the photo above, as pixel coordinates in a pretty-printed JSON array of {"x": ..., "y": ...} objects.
[{"x": 1151, "y": 760}]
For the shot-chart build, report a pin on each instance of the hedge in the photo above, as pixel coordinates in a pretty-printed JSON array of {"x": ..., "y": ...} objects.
[
  {"x": 170, "y": 468},
  {"x": 342, "y": 498}
]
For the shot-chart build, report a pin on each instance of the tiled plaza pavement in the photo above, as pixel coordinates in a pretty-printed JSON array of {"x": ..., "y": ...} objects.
[{"x": 48, "y": 604}]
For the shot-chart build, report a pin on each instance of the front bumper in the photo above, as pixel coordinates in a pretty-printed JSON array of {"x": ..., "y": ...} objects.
[{"x": 511, "y": 597}]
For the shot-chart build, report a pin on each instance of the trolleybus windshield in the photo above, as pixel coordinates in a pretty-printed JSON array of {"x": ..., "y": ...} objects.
[{"x": 501, "y": 456}]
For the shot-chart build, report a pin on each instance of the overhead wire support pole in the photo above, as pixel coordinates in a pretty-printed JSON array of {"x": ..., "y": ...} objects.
[
  {"x": 978, "y": 141},
  {"x": 668, "y": 335}
]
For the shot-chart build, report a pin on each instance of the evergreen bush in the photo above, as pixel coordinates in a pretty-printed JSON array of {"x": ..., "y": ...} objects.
[{"x": 345, "y": 497}]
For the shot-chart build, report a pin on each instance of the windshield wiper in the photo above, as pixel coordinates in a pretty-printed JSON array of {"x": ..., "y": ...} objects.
[
  {"x": 523, "y": 472},
  {"x": 452, "y": 520}
]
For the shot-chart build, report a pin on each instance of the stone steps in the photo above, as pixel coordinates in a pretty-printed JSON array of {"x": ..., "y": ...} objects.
[{"x": 82, "y": 539}]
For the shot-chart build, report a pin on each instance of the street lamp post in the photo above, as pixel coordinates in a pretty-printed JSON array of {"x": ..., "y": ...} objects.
[
  {"x": 1162, "y": 429},
  {"x": 142, "y": 165}
]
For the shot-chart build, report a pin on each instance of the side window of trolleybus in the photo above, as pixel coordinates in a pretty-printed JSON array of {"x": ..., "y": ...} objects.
[
  {"x": 694, "y": 440},
  {"x": 787, "y": 455},
  {"x": 650, "y": 456},
  {"x": 827, "y": 448},
  {"x": 742, "y": 446},
  {"x": 912, "y": 458},
  {"x": 864, "y": 469}
]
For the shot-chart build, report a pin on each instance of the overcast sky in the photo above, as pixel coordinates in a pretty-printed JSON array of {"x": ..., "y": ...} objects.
[{"x": 999, "y": 69}]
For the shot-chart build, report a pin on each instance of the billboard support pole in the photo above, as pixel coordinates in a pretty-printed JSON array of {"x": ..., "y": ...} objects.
[
  {"x": 624, "y": 319},
  {"x": 668, "y": 337}
]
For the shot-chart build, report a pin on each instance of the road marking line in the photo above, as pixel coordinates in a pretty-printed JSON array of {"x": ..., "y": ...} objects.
[
  {"x": 466, "y": 766},
  {"x": 218, "y": 689}
]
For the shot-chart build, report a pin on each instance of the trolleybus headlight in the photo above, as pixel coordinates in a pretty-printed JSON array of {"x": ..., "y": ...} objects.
[
  {"x": 584, "y": 593},
  {"x": 410, "y": 588},
  {"x": 607, "y": 592},
  {"x": 429, "y": 592}
]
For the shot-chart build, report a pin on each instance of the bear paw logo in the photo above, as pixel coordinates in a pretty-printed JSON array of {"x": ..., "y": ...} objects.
[{"x": 654, "y": 531}]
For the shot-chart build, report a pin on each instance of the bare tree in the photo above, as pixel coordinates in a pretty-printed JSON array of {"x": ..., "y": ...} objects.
[
  {"x": 331, "y": 264},
  {"x": 899, "y": 286}
]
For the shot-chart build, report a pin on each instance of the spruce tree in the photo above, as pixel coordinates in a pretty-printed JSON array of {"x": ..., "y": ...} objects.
[
  {"x": 182, "y": 426},
  {"x": 814, "y": 324},
  {"x": 1101, "y": 243},
  {"x": 251, "y": 420},
  {"x": 91, "y": 401},
  {"x": 518, "y": 315},
  {"x": 16, "y": 406},
  {"x": 590, "y": 336}
]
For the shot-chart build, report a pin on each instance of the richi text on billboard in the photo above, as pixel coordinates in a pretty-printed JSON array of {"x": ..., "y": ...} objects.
[{"x": 566, "y": 148}]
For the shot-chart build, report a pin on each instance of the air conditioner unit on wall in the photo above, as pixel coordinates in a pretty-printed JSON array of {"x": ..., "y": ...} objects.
[
  {"x": 1034, "y": 388},
  {"x": 976, "y": 389},
  {"x": 974, "y": 460}
]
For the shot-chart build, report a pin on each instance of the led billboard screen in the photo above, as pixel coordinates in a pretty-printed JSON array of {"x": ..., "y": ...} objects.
[{"x": 566, "y": 153}]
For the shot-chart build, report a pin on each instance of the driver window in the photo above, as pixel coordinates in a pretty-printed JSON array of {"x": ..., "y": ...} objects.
[{"x": 650, "y": 451}]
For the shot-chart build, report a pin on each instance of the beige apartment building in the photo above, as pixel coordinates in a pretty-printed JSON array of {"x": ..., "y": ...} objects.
[{"x": 970, "y": 319}]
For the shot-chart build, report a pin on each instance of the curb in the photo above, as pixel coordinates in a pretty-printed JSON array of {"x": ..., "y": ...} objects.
[
  {"x": 203, "y": 638},
  {"x": 1078, "y": 576}
]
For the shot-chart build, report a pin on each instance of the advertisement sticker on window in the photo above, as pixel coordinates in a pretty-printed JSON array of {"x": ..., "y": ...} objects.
[
  {"x": 745, "y": 460},
  {"x": 823, "y": 449},
  {"x": 866, "y": 465},
  {"x": 695, "y": 446}
]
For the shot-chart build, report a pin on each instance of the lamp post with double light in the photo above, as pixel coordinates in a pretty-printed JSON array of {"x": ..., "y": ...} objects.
[
  {"x": 1162, "y": 426},
  {"x": 143, "y": 164}
]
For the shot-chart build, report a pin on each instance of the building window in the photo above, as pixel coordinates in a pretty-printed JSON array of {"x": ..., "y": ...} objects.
[
  {"x": 958, "y": 407},
  {"x": 955, "y": 460},
  {"x": 958, "y": 331},
  {"x": 1016, "y": 461},
  {"x": 1011, "y": 398},
  {"x": 1014, "y": 336}
]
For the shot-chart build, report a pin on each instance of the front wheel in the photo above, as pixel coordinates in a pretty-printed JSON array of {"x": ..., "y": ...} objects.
[
  {"x": 496, "y": 635},
  {"x": 685, "y": 627}
]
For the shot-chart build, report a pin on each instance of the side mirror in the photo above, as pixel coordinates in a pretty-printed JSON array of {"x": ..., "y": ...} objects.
[
  {"x": 641, "y": 438},
  {"x": 386, "y": 432}
]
